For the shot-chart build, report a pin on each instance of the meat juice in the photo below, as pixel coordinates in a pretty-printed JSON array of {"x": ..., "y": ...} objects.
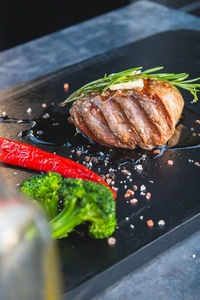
[{"x": 52, "y": 128}]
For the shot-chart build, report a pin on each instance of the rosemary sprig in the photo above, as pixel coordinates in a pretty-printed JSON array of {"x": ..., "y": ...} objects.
[{"x": 103, "y": 84}]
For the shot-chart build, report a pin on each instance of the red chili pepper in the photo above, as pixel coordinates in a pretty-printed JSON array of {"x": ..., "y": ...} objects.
[{"x": 22, "y": 155}]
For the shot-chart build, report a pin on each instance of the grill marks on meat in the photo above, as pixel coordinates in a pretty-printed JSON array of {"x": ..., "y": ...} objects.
[
  {"x": 96, "y": 122},
  {"x": 146, "y": 117},
  {"x": 117, "y": 121},
  {"x": 136, "y": 119}
]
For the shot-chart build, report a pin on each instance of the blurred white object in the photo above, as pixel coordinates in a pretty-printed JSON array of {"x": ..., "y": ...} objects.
[{"x": 28, "y": 265}]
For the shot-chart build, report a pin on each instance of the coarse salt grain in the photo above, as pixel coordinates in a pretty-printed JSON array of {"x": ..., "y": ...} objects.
[
  {"x": 150, "y": 223},
  {"x": 3, "y": 114},
  {"x": 129, "y": 193},
  {"x": 111, "y": 241},
  {"x": 135, "y": 188},
  {"x": 87, "y": 158},
  {"x": 127, "y": 218},
  {"x": 170, "y": 162},
  {"x": 161, "y": 223},
  {"x": 156, "y": 151},
  {"x": 193, "y": 255},
  {"x": 66, "y": 87},
  {"x": 141, "y": 217},
  {"x": 125, "y": 172},
  {"x": 143, "y": 188},
  {"x": 148, "y": 196},
  {"x": 134, "y": 201},
  {"x": 139, "y": 167},
  {"x": 108, "y": 180},
  {"x": 29, "y": 110},
  {"x": 115, "y": 188},
  {"x": 132, "y": 226},
  {"x": 46, "y": 116}
]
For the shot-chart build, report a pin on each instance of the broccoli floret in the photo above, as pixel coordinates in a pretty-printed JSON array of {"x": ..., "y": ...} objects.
[
  {"x": 83, "y": 201},
  {"x": 44, "y": 189}
]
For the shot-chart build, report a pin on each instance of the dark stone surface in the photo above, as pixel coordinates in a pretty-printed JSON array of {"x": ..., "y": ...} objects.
[{"x": 174, "y": 275}]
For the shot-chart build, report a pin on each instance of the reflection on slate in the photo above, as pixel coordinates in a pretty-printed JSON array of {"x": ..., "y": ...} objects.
[{"x": 174, "y": 189}]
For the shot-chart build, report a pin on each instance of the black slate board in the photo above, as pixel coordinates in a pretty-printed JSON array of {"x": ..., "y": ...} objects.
[{"x": 88, "y": 265}]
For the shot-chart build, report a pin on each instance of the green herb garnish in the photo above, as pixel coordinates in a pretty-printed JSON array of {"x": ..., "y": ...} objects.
[{"x": 103, "y": 84}]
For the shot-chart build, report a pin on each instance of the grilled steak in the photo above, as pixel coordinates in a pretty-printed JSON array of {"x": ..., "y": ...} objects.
[{"x": 125, "y": 118}]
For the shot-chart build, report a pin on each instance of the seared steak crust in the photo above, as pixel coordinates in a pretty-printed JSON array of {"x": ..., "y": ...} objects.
[{"x": 126, "y": 118}]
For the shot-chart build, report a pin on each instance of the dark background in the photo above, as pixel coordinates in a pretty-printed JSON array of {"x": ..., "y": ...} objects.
[{"x": 25, "y": 20}]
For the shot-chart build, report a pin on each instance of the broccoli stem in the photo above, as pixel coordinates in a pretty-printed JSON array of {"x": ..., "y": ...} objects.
[
  {"x": 64, "y": 224},
  {"x": 66, "y": 220}
]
